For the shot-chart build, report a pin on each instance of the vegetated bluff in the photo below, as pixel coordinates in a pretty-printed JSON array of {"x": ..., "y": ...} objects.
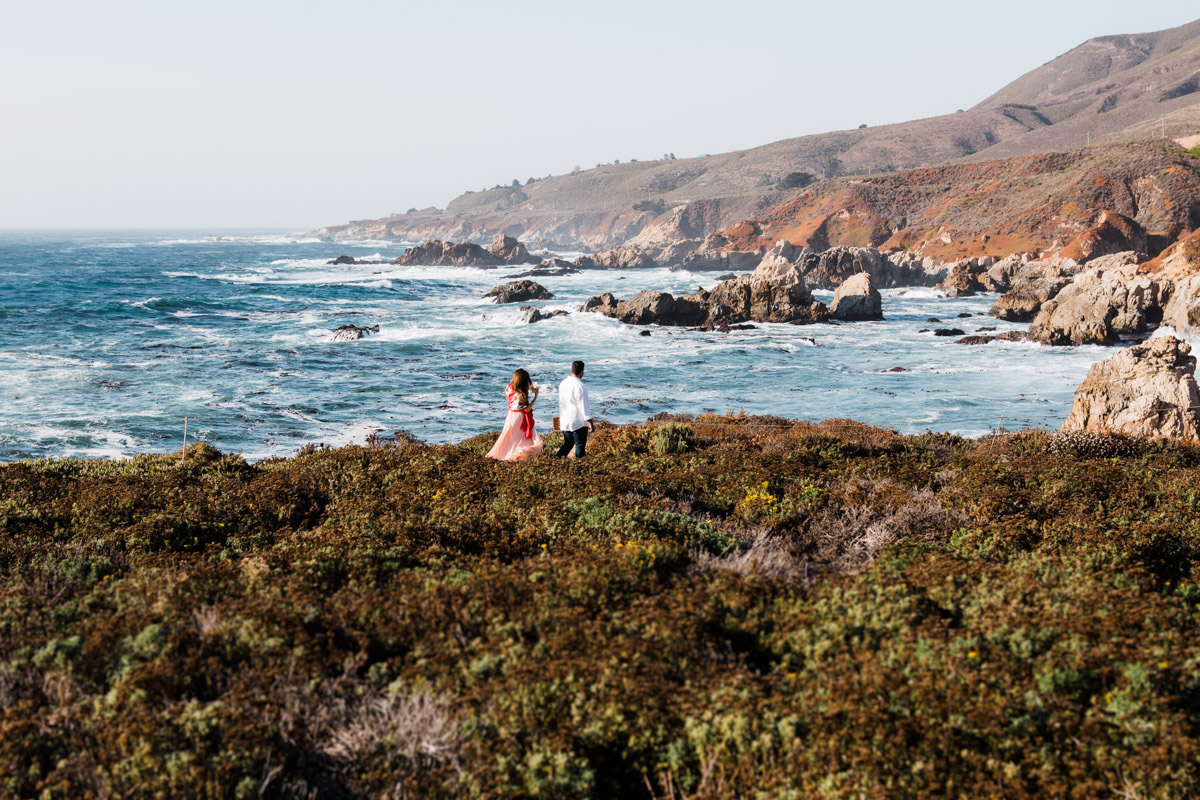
[
  {"x": 709, "y": 607},
  {"x": 1110, "y": 89}
]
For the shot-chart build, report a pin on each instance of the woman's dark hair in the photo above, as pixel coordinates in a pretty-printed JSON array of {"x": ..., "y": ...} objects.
[{"x": 521, "y": 384}]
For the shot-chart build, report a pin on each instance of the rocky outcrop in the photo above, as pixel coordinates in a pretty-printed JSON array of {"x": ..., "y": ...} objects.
[
  {"x": 963, "y": 280},
  {"x": 1026, "y": 287},
  {"x": 1147, "y": 390},
  {"x": 519, "y": 292},
  {"x": 857, "y": 299},
  {"x": 351, "y": 333},
  {"x": 830, "y": 268},
  {"x": 438, "y": 253},
  {"x": 1178, "y": 270},
  {"x": 1110, "y": 234},
  {"x": 509, "y": 250},
  {"x": 617, "y": 258},
  {"x": 1099, "y": 307},
  {"x": 660, "y": 308},
  {"x": 774, "y": 292}
]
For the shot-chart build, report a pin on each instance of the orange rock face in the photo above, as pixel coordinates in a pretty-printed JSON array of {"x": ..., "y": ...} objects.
[{"x": 1082, "y": 204}]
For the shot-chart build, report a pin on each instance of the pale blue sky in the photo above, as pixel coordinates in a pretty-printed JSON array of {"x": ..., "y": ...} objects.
[{"x": 297, "y": 114}]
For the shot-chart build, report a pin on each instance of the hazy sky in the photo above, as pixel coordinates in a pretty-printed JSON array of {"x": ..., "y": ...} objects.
[{"x": 297, "y": 114}]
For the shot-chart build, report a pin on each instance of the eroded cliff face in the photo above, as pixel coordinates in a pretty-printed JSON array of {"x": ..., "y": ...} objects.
[{"x": 1088, "y": 202}]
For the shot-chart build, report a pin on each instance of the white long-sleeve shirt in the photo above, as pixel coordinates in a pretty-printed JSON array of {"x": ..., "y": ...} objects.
[{"x": 573, "y": 408}]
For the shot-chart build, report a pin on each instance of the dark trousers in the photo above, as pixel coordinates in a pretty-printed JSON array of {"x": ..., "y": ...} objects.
[{"x": 576, "y": 439}]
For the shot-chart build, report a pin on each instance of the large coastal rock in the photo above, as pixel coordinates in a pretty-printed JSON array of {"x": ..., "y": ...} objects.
[
  {"x": 1028, "y": 284},
  {"x": 964, "y": 279},
  {"x": 509, "y": 250},
  {"x": 829, "y": 269},
  {"x": 774, "y": 292},
  {"x": 1099, "y": 307},
  {"x": 857, "y": 299},
  {"x": 618, "y": 258},
  {"x": 1147, "y": 390},
  {"x": 519, "y": 292},
  {"x": 660, "y": 308},
  {"x": 438, "y": 253},
  {"x": 1026, "y": 287}
]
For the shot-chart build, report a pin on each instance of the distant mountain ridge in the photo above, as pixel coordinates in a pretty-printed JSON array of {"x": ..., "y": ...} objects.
[{"x": 1110, "y": 89}]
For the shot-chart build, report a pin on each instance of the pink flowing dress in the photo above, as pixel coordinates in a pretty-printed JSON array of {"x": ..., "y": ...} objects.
[{"x": 519, "y": 439}]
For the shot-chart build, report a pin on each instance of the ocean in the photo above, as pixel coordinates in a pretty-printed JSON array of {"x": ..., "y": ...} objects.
[{"x": 111, "y": 339}]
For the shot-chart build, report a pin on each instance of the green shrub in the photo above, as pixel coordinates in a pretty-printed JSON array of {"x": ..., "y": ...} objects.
[
  {"x": 652, "y": 206},
  {"x": 672, "y": 438},
  {"x": 795, "y": 180}
]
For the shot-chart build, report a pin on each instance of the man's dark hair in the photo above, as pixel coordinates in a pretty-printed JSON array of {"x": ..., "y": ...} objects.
[{"x": 576, "y": 368}]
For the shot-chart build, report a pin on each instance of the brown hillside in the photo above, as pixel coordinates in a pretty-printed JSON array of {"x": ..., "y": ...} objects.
[
  {"x": 1107, "y": 90},
  {"x": 1027, "y": 204}
]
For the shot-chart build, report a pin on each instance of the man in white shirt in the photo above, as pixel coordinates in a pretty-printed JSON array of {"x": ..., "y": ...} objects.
[{"x": 574, "y": 413}]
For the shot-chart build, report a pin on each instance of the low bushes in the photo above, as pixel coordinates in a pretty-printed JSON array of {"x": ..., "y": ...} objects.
[{"x": 704, "y": 607}]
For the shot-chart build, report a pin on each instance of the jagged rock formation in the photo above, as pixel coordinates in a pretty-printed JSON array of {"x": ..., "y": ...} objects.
[
  {"x": 857, "y": 299},
  {"x": 1098, "y": 307},
  {"x": 1148, "y": 390},
  {"x": 1112, "y": 233},
  {"x": 438, "y": 253},
  {"x": 617, "y": 258},
  {"x": 1027, "y": 287},
  {"x": 964, "y": 279},
  {"x": 1179, "y": 270},
  {"x": 519, "y": 292},
  {"x": 509, "y": 250},
  {"x": 774, "y": 292},
  {"x": 351, "y": 333}
]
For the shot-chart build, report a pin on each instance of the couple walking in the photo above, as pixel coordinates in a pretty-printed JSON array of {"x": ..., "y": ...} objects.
[{"x": 520, "y": 438}]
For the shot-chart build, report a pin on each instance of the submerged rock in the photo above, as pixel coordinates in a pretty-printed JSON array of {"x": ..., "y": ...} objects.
[
  {"x": 1148, "y": 390},
  {"x": 531, "y": 314},
  {"x": 351, "y": 333}
]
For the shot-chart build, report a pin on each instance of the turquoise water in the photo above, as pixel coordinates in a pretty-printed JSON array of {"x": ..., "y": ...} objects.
[{"x": 112, "y": 339}]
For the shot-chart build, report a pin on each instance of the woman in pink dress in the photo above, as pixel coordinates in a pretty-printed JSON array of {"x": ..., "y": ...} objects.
[{"x": 519, "y": 439}]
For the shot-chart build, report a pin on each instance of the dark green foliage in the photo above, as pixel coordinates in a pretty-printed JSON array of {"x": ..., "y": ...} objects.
[
  {"x": 652, "y": 206},
  {"x": 705, "y": 607},
  {"x": 795, "y": 180}
]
